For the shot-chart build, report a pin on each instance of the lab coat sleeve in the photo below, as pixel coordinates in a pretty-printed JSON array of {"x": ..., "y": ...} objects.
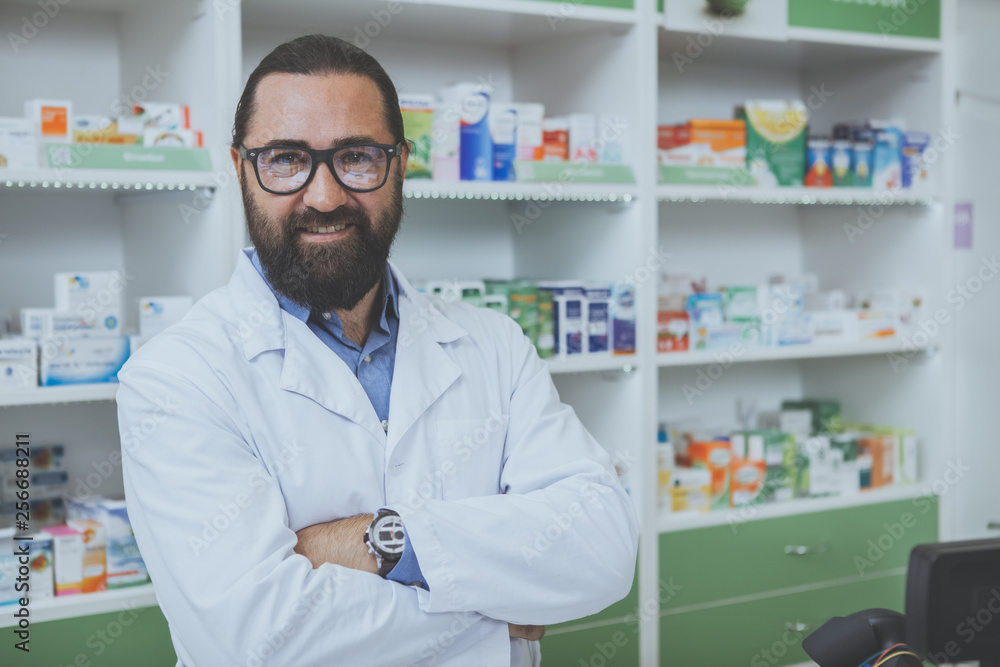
[
  {"x": 212, "y": 527},
  {"x": 558, "y": 543}
]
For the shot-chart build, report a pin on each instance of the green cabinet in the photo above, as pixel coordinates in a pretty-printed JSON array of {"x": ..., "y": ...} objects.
[{"x": 708, "y": 564}]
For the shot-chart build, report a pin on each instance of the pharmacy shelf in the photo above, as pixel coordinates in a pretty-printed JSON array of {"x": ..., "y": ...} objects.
[
  {"x": 506, "y": 191},
  {"x": 737, "y": 516},
  {"x": 804, "y": 48},
  {"x": 84, "y": 604},
  {"x": 80, "y": 393},
  {"x": 500, "y": 22},
  {"x": 818, "y": 351},
  {"x": 103, "y": 181},
  {"x": 798, "y": 195},
  {"x": 585, "y": 363}
]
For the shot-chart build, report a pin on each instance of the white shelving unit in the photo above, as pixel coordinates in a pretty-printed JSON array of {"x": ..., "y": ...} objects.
[
  {"x": 178, "y": 233},
  {"x": 885, "y": 346},
  {"x": 86, "y": 604}
]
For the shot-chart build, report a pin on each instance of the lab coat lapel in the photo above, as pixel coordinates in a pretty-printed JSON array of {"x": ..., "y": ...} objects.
[
  {"x": 423, "y": 369},
  {"x": 309, "y": 367}
]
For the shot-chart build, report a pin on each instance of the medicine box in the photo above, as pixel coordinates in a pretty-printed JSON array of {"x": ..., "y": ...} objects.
[
  {"x": 125, "y": 566},
  {"x": 32, "y": 321},
  {"x": 50, "y": 119},
  {"x": 776, "y": 141},
  {"x": 8, "y": 569},
  {"x": 18, "y": 145},
  {"x": 165, "y": 116},
  {"x": 418, "y": 125},
  {"x": 156, "y": 313},
  {"x": 95, "y": 296},
  {"x": 40, "y": 565},
  {"x": 65, "y": 325},
  {"x": 530, "y": 118},
  {"x": 95, "y": 558},
  {"x": 18, "y": 364},
  {"x": 67, "y": 557},
  {"x": 82, "y": 360},
  {"x": 171, "y": 138}
]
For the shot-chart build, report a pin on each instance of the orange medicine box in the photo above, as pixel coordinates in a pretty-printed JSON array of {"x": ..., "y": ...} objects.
[
  {"x": 95, "y": 558},
  {"x": 882, "y": 449},
  {"x": 716, "y": 457},
  {"x": 67, "y": 558}
]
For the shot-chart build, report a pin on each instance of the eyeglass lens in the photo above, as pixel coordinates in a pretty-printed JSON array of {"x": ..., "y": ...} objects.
[{"x": 287, "y": 169}]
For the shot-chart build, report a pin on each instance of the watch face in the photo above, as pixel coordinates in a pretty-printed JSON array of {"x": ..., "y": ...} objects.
[{"x": 388, "y": 536}]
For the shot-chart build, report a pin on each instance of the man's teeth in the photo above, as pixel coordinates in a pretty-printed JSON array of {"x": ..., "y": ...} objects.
[{"x": 327, "y": 230}]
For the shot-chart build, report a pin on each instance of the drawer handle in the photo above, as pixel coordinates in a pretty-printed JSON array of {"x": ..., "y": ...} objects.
[
  {"x": 798, "y": 626},
  {"x": 802, "y": 550},
  {"x": 993, "y": 525}
]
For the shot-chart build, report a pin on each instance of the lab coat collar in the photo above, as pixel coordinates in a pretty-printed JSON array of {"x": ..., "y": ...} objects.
[{"x": 423, "y": 370}]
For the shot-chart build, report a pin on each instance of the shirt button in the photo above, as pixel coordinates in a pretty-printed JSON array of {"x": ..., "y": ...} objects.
[
  {"x": 385, "y": 425},
  {"x": 368, "y": 358},
  {"x": 326, "y": 315}
]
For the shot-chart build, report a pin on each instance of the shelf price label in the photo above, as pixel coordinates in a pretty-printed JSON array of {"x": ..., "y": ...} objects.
[{"x": 891, "y": 18}]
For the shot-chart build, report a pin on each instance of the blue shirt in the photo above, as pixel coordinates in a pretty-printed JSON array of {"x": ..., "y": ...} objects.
[{"x": 372, "y": 365}]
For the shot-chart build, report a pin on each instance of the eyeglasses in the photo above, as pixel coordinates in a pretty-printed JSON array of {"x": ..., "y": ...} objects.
[{"x": 284, "y": 170}]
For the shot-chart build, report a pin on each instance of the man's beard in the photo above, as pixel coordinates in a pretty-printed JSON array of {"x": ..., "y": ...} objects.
[{"x": 324, "y": 276}]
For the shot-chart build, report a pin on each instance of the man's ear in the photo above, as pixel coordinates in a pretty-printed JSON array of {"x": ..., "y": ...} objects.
[
  {"x": 235, "y": 153},
  {"x": 404, "y": 156}
]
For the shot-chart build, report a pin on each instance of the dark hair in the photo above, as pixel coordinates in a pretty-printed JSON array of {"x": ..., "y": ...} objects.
[{"x": 318, "y": 54}]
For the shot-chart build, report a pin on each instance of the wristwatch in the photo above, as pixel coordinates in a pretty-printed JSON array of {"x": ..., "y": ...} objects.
[{"x": 386, "y": 538}]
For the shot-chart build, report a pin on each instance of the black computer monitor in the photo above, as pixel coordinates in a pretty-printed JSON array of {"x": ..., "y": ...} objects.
[{"x": 953, "y": 601}]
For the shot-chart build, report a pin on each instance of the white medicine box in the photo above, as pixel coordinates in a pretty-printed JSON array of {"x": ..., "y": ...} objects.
[{"x": 156, "y": 313}]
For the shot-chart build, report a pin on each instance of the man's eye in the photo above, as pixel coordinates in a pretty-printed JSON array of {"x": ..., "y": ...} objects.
[
  {"x": 355, "y": 158},
  {"x": 288, "y": 158}
]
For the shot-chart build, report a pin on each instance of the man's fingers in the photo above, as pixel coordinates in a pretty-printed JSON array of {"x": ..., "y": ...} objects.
[{"x": 530, "y": 632}]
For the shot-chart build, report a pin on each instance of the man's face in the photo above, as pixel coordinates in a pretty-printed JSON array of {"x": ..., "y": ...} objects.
[{"x": 311, "y": 265}]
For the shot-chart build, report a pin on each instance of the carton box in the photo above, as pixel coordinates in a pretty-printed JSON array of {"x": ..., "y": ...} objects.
[
  {"x": 418, "y": 125},
  {"x": 156, "y": 313},
  {"x": 51, "y": 119},
  {"x": 18, "y": 364},
  {"x": 882, "y": 450},
  {"x": 776, "y": 141},
  {"x": 94, "y": 296},
  {"x": 716, "y": 457},
  {"x": 18, "y": 144},
  {"x": 95, "y": 572},
  {"x": 82, "y": 360},
  {"x": 67, "y": 557},
  {"x": 40, "y": 571}
]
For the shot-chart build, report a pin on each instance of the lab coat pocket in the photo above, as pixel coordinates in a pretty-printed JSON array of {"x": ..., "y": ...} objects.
[{"x": 469, "y": 455}]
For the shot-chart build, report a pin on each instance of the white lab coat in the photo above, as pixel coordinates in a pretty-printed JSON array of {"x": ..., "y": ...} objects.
[{"x": 240, "y": 427}]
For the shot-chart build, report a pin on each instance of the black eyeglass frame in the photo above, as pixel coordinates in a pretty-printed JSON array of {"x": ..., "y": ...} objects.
[{"x": 318, "y": 157}]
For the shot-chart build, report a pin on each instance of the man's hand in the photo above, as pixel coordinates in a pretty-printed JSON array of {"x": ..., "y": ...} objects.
[
  {"x": 530, "y": 632},
  {"x": 338, "y": 542}
]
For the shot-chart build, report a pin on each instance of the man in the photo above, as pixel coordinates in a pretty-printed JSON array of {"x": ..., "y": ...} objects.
[{"x": 322, "y": 466}]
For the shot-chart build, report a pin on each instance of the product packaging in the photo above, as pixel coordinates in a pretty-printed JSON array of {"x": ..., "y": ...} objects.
[
  {"x": 842, "y": 153},
  {"x": 18, "y": 144},
  {"x": 819, "y": 161},
  {"x": 546, "y": 342},
  {"x": 165, "y": 116},
  {"x": 503, "y": 130},
  {"x": 95, "y": 296},
  {"x": 598, "y": 317},
  {"x": 94, "y": 129},
  {"x": 82, "y": 360},
  {"x": 863, "y": 163},
  {"x": 882, "y": 450},
  {"x": 555, "y": 139},
  {"x": 582, "y": 137},
  {"x": 95, "y": 557},
  {"x": 530, "y": 118},
  {"x": 125, "y": 566},
  {"x": 569, "y": 310},
  {"x": 716, "y": 457},
  {"x": 691, "y": 490},
  {"x": 672, "y": 330},
  {"x": 50, "y": 119},
  {"x": 888, "y": 173},
  {"x": 623, "y": 318},
  {"x": 418, "y": 126},
  {"x": 523, "y": 307},
  {"x": 706, "y": 315},
  {"x": 8, "y": 569},
  {"x": 171, "y": 138},
  {"x": 776, "y": 141},
  {"x": 67, "y": 557},
  {"x": 156, "y": 313},
  {"x": 913, "y": 165},
  {"x": 475, "y": 146},
  {"x": 446, "y": 136},
  {"x": 18, "y": 364},
  {"x": 40, "y": 565}
]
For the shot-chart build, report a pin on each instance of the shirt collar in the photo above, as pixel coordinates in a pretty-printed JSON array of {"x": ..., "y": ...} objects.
[{"x": 390, "y": 296}]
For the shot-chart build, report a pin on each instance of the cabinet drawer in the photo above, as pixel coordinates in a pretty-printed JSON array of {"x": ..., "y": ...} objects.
[
  {"x": 763, "y": 632},
  {"x": 606, "y": 646},
  {"x": 729, "y": 561}
]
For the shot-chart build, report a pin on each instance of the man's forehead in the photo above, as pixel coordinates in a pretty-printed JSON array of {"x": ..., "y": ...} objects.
[{"x": 317, "y": 108}]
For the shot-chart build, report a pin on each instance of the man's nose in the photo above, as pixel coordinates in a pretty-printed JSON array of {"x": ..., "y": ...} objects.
[{"x": 324, "y": 193}]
